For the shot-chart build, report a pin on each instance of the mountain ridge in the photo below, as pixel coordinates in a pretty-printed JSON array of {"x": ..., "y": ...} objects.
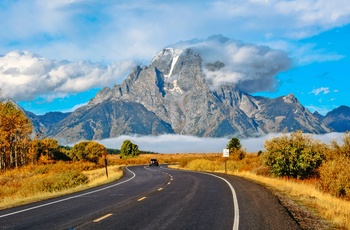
[
  {"x": 173, "y": 88},
  {"x": 178, "y": 93}
]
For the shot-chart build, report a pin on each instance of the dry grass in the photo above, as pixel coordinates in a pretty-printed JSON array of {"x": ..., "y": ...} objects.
[
  {"x": 98, "y": 176},
  {"x": 29, "y": 184}
]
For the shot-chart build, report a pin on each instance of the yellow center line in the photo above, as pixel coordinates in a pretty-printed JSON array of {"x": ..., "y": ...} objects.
[
  {"x": 160, "y": 189},
  {"x": 142, "y": 198},
  {"x": 103, "y": 217}
]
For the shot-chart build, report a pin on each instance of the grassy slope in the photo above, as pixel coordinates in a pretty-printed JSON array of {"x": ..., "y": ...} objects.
[{"x": 18, "y": 189}]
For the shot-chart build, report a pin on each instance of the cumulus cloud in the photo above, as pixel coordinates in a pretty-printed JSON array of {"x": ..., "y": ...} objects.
[
  {"x": 251, "y": 67},
  {"x": 191, "y": 144},
  {"x": 25, "y": 76}
]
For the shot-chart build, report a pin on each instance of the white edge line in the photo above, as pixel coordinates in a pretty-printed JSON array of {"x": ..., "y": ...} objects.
[
  {"x": 72, "y": 197},
  {"x": 234, "y": 196},
  {"x": 235, "y": 200}
]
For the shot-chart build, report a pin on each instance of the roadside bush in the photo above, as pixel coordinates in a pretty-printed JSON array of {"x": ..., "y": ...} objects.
[
  {"x": 335, "y": 173},
  {"x": 238, "y": 154},
  {"x": 335, "y": 177},
  {"x": 295, "y": 155}
]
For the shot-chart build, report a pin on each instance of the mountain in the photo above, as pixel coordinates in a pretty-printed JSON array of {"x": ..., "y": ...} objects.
[
  {"x": 108, "y": 119},
  {"x": 41, "y": 123},
  {"x": 172, "y": 95},
  {"x": 338, "y": 119}
]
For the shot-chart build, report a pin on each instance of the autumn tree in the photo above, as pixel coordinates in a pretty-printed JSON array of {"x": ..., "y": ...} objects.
[
  {"x": 15, "y": 130},
  {"x": 95, "y": 151},
  {"x": 128, "y": 149},
  {"x": 49, "y": 148},
  {"x": 335, "y": 172},
  {"x": 34, "y": 151},
  {"x": 87, "y": 150}
]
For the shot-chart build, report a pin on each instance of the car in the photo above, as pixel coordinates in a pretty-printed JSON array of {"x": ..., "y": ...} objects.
[{"x": 153, "y": 162}]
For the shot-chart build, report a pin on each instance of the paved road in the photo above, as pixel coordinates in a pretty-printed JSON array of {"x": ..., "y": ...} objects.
[{"x": 158, "y": 198}]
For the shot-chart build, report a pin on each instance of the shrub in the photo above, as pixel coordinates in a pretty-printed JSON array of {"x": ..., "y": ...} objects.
[
  {"x": 335, "y": 173},
  {"x": 335, "y": 177},
  {"x": 295, "y": 155}
]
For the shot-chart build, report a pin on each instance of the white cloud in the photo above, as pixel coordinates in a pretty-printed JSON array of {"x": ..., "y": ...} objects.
[
  {"x": 323, "y": 90},
  {"x": 74, "y": 108},
  {"x": 308, "y": 53},
  {"x": 294, "y": 19},
  {"x": 25, "y": 76},
  {"x": 191, "y": 144},
  {"x": 115, "y": 30},
  {"x": 251, "y": 67}
]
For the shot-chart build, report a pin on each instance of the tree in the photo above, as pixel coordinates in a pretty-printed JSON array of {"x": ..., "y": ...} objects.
[
  {"x": 95, "y": 151},
  {"x": 234, "y": 144},
  {"x": 295, "y": 155},
  {"x": 128, "y": 149},
  {"x": 34, "y": 151},
  {"x": 49, "y": 149},
  {"x": 78, "y": 153},
  {"x": 87, "y": 150},
  {"x": 15, "y": 130},
  {"x": 235, "y": 148}
]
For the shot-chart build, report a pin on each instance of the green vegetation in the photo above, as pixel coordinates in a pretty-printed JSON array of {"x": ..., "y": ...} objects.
[
  {"x": 295, "y": 155},
  {"x": 234, "y": 144},
  {"x": 128, "y": 149},
  {"x": 88, "y": 151},
  {"x": 113, "y": 151},
  {"x": 235, "y": 148}
]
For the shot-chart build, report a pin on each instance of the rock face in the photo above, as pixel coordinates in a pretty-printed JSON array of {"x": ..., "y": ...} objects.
[{"x": 172, "y": 95}]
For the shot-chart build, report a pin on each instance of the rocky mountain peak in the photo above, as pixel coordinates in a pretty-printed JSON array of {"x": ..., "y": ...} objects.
[
  {"x": 172, "y": 95},
  {"x": 290, "y": 98}
]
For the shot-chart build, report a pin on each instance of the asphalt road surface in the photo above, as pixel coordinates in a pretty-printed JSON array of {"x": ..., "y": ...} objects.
[{"x": 158, "y": 198}]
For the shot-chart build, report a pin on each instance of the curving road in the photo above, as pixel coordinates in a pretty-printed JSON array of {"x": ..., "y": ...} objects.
[{"x": 158, "y": 198}]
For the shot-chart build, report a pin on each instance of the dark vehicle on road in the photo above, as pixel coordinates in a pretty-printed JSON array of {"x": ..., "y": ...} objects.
[{"x": 153, "y": 162}]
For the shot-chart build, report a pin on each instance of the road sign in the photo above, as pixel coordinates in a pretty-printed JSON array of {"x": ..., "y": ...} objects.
[{"x": 226, "y": 153}]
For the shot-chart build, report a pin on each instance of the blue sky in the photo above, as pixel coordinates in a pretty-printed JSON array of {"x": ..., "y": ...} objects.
[{"x": 55, "y": 55}]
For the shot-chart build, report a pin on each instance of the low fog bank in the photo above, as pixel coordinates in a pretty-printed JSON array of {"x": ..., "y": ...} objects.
[{"x": 190, "y": 144}]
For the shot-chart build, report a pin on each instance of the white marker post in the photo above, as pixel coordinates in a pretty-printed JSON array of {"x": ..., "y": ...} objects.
[{"x": 226, "y": 154}]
